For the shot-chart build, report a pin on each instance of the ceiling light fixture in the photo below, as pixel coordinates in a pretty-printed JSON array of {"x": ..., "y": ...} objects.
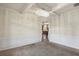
[{"x": 41, "y": 12}]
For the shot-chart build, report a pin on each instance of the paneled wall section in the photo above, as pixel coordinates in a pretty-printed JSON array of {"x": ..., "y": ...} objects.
[{"x": 64, "y": 28}]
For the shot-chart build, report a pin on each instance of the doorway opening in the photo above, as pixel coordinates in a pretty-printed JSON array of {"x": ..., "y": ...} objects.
[{"x": 45, "y": 30}]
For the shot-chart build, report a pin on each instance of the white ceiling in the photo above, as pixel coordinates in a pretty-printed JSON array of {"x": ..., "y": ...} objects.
[
  {"x": 21, "y": 6},
  {"x": 45, "y": 6}
]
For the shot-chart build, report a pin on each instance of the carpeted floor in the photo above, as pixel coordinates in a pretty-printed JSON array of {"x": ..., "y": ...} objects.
[{"x": 39, "y": 49}]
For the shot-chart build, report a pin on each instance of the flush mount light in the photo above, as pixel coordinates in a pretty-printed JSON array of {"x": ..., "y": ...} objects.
[{"x": 41, "y": 12}]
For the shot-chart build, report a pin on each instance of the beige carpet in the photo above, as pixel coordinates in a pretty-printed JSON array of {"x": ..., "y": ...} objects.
[{"x": 39, "y": 49}]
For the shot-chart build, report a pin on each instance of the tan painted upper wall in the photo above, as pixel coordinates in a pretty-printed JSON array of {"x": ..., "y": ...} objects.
[{"x": 2, "y": 13}]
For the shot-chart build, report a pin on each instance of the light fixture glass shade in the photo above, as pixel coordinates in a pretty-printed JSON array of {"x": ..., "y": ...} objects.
[{"x": 41, "y": 12}]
